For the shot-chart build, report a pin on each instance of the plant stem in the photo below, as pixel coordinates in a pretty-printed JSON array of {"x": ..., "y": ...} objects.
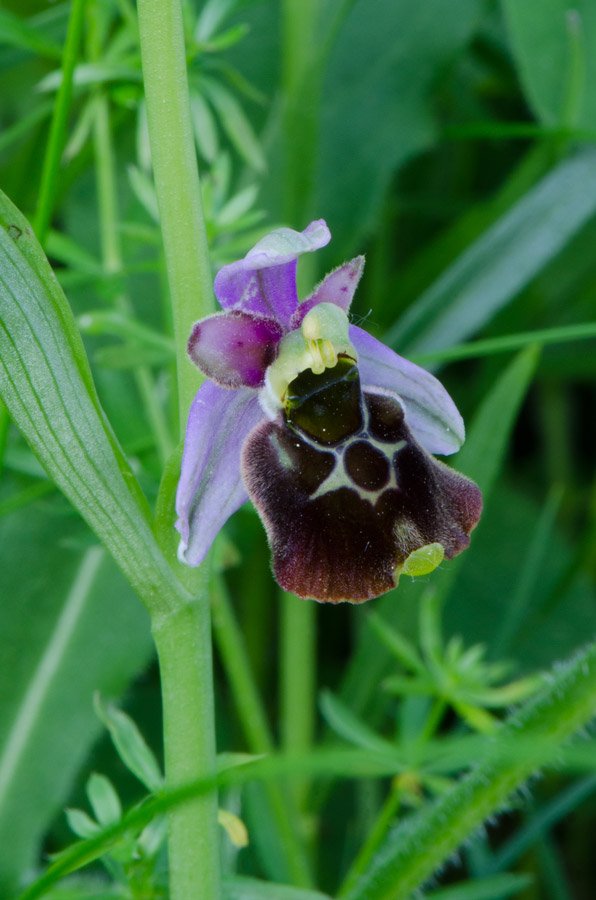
[
  {"x": 298, "y": 666},
  {"x": 301, "y": 89},
  {"x": 176, "y": 179},
  {"x": 183, "y": 642},
  {"x": 51, "y": 163},
  {"x": 183, "y": 639},
  {"x": 381, "y": 826},
  {"x": 256, "y": 728}
]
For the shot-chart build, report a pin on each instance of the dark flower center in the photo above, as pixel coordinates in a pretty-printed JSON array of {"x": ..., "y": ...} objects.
[{"x": 326, "y": 407}]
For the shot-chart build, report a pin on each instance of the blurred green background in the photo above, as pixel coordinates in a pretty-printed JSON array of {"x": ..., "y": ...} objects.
[{"x": 451, "y": 143}]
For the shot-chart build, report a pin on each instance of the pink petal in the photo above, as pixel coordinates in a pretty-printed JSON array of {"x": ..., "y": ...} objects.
[
  {"x": 337, "y": 287},
  {"x": 430, "y": 412},
  {"x": 210, "y": 487},
  {"x": 264, "y": 281},
  {"x": 235, "y": 348}
]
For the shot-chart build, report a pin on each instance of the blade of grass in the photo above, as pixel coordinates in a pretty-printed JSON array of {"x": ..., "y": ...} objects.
[
  {"x": 253, "y": 718},
  {"x": 517, "y": 606},
  {"x": 477, "y": 349},
  {"x": 501, "y": 262},
  {"x": 57, "y": 137},
  {"x": 540, "y": 822}
]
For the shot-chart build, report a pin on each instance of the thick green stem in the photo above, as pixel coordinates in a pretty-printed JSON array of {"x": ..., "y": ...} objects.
[
  {"x": 301, "y": 89},
  {"x": 51, "y": 163},
  {"x": 176, "y": 179},
  {"x": 183, "y": 641},
  {"x": 298, "y": 667}
]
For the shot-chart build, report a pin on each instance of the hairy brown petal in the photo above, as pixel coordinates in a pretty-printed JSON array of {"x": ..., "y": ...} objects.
[{"x": 342, "y": 521}]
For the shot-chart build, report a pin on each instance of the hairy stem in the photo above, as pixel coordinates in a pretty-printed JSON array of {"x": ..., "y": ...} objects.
[
  {"x": 183, "y": 639},
  {"x": 176, "y": 179}
]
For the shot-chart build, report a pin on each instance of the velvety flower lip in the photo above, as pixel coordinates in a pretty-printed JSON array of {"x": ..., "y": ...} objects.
[{"x": 324, "y": 428}]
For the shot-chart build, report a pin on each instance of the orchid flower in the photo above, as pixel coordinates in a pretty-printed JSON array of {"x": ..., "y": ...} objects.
[{"x": 328, "y": 432}]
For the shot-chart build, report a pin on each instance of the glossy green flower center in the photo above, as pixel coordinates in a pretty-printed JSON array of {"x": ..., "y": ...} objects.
[{"x": 316, "y": 346}]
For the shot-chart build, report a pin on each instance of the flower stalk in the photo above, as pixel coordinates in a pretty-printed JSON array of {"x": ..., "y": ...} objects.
[
  {"x": 176, "y": 179},
  {"x": 183, "y": 637}
]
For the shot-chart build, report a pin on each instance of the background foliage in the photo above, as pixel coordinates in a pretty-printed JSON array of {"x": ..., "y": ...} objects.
[{"x": 456, "y": 150}]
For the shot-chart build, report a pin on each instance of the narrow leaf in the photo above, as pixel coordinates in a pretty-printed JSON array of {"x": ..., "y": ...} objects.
[
  {"x": 131, "y": 745},
  {"x": 236, "y": 124},
  {"x": 350, "y": 727},
  {"x": 252, "y": 889},
  {"x": 495, "y": 888},
  {"x": 46, "y": 384},
  {"x": 494, "y": 270}
]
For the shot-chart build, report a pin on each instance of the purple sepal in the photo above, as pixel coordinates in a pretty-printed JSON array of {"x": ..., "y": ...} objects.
[
  {"x": 430, "y": 412},
  {"x": 264, "y": 281},
  {"x": 337, "y": 287},
  {"x": 234, "y": 348},
  {"x": 210, "y": 487}
]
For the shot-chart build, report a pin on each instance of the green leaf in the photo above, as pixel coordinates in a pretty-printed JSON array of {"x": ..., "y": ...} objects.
[
  {"x": 92, "y": 74},
  {"x": 551, "y": 42},
  {"x": 397, "y": 644},
  {"x": 69, "y": 625},
  {"x": 47, "y": 386},
  {"x": 204, "y": 128},
  {"x": 541, "y": 821},
  {"x": 131, "y": 745},
  {"x": 494, "y": 270},
  {"x": 81, "y": 823},
  {"x": 377, "y": 103},
  {"x": 131, "y": 355},
  {"x": 251, "y": 889},
  {"x": 235, "y": 123},
  {"x": 495, "y": 888},
  {"x": 104, "y": 800},
  {"x": 343, "y": 721},
  {"x": 144, "y": 190},
  {"x": 482, "y": 455},
  {"x": 17, "y": 32}
]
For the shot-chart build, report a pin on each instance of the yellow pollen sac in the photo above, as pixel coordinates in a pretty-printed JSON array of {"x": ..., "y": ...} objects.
[
  {"x": 325, "y": 330},
  {"x": 323, "y": 355}
]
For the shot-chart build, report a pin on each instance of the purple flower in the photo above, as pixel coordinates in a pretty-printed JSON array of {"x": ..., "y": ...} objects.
[{"x": 325, "y": 429}]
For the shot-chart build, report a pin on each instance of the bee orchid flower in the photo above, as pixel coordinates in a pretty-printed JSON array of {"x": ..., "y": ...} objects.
[{"x": 328, "y": 432}]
